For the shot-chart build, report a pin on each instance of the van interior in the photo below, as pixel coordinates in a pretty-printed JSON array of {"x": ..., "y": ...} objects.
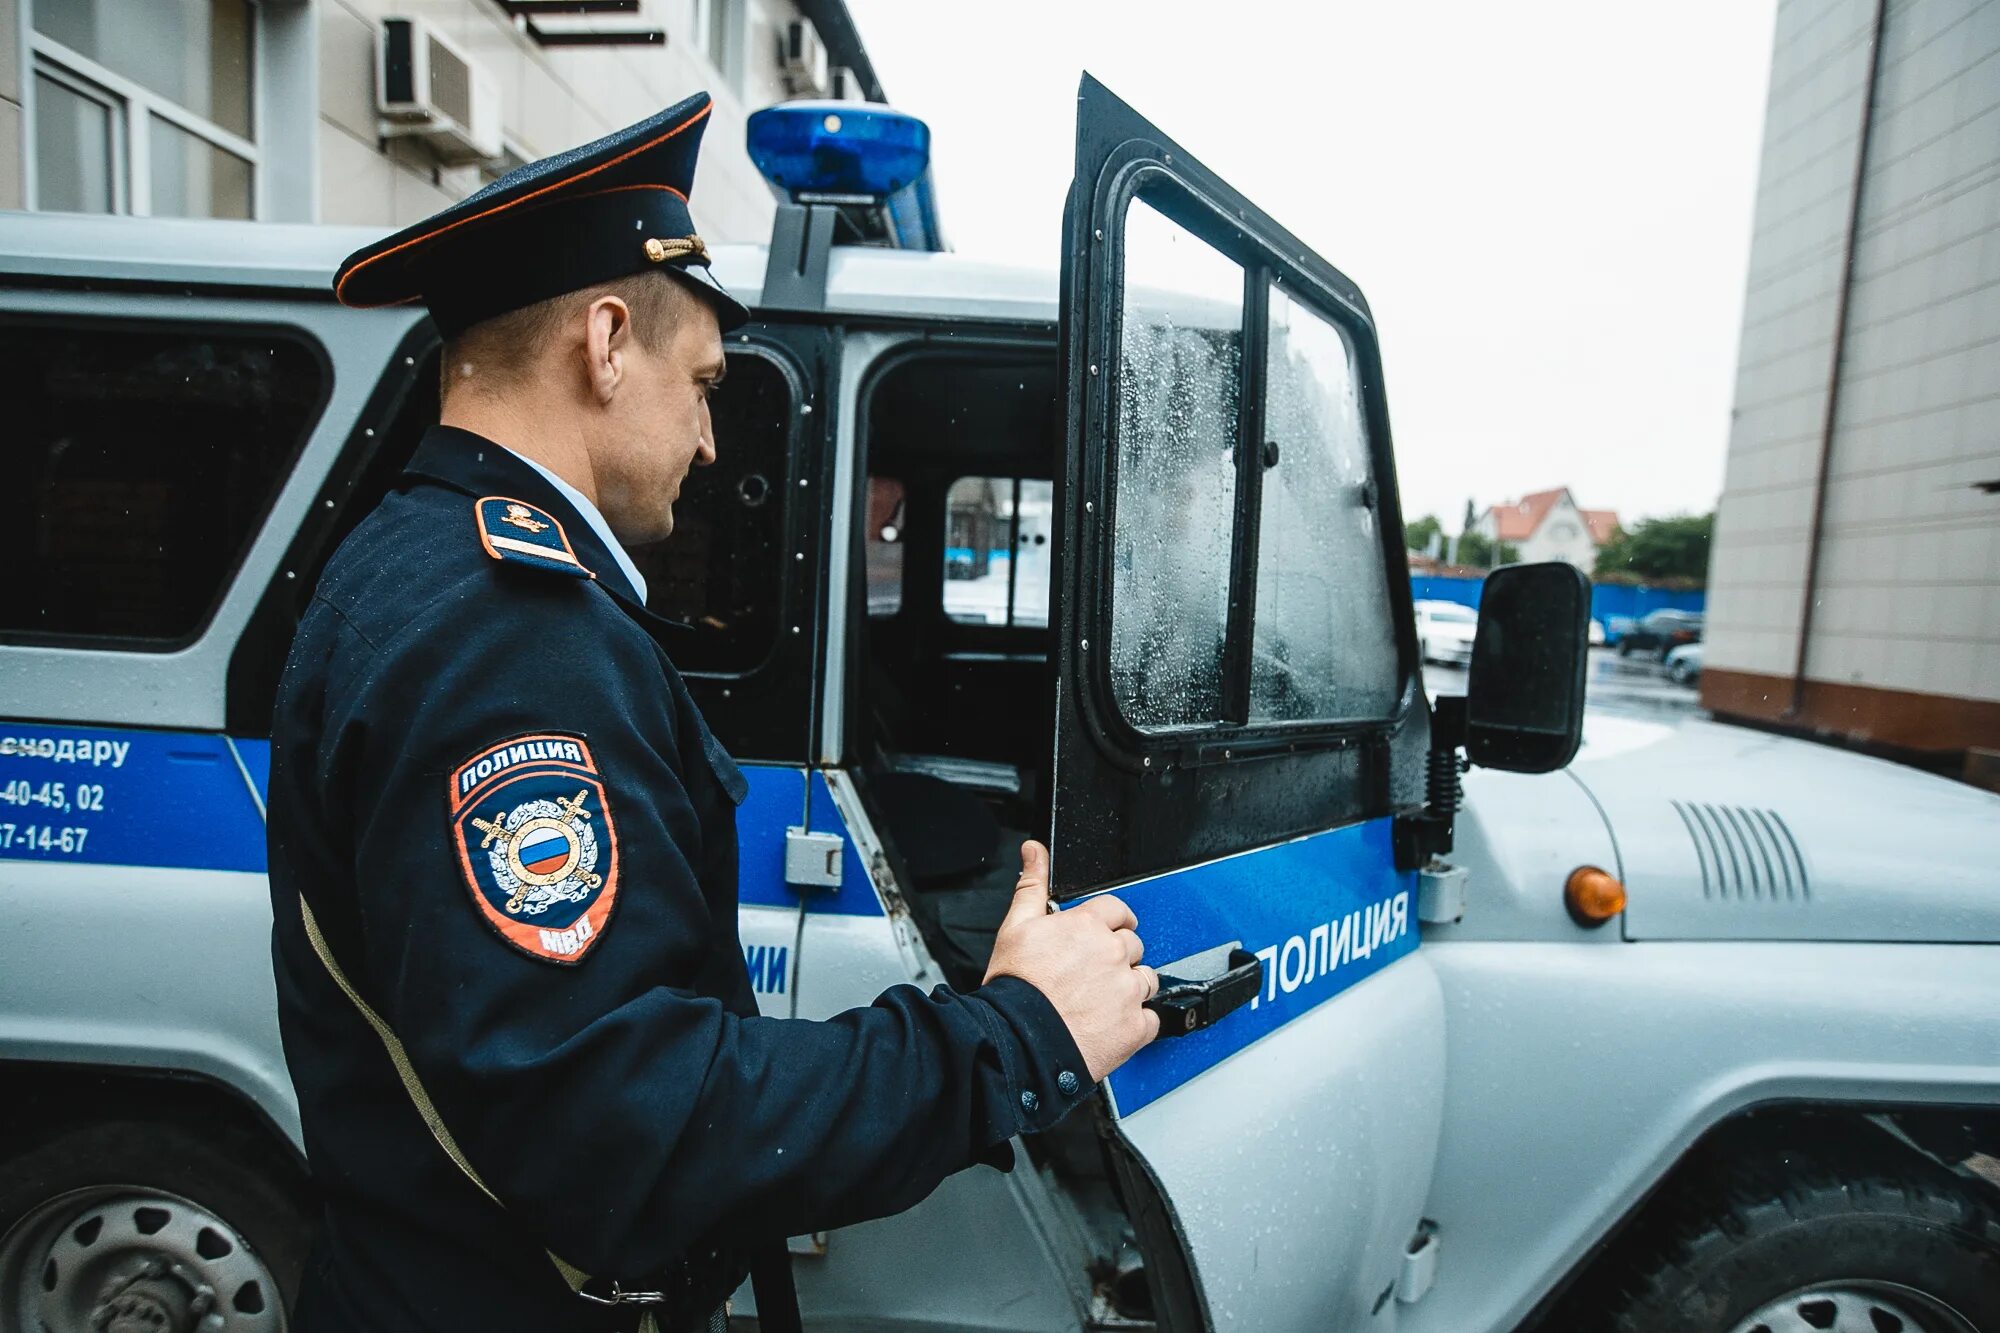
[{"x": 951, "y": 698}]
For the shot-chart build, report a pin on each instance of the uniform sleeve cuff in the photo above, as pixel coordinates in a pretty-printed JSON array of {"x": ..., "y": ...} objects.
[{"x": 1046, "y": 1074}]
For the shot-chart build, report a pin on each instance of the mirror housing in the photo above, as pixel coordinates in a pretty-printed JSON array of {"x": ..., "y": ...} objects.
[{"x": 1524, "y": 701}]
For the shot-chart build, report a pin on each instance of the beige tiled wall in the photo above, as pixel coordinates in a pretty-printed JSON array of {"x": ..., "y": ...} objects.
[
  {"x": 552, "y": 100},
  {"x": 1910, "y": 561},
  {"x": 1812, "y": 131},
  {"x": 1908, "y": 588},
  {"x": 11, "y": 127}
]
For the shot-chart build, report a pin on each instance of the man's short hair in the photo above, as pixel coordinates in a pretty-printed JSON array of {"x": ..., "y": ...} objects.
[{"x": 506, "y": 347}]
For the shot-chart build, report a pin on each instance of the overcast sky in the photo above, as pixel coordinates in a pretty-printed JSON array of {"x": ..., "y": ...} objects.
[{"x": 1547, "y": 204}]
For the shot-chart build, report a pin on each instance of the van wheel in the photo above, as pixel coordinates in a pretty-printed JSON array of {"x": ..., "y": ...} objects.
[
  {"x": 1868, "y": 1252},
  {"x": 132, "y": 1226}
]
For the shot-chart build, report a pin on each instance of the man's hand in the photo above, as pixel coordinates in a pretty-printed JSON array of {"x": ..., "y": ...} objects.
[{"x": 1085, "y": 960}]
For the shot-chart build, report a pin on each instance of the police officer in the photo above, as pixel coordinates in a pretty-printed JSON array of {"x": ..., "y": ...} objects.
[{"x": 503, "y": 844}]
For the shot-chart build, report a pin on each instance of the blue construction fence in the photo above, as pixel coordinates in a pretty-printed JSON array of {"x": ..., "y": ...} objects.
[{"x": 1606, "y": 599}]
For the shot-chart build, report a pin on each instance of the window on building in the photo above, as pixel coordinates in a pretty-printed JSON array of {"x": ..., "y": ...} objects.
[
  {"x": 714, "y": 38},
  {"x": 148, "y": 110},
  {"x": 996, "y": 551},
  {"x": 723, "y": 570},
  {"x": 141, "y": 465}
]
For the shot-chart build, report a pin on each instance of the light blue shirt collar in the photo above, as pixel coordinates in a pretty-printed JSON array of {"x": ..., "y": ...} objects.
[{"x": 597, "y": 525}]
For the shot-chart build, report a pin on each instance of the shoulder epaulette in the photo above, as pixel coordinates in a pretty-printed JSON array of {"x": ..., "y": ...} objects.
[{"x": 517, "y": 531}]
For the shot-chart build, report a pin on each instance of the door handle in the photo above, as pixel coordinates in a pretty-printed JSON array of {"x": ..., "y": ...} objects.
[{"x": 1188, "y": 1006}]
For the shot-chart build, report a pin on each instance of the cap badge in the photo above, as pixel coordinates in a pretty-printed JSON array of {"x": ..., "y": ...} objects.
[{"x": 676, "y": 247}]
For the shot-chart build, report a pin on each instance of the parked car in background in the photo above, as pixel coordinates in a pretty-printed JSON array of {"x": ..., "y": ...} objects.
[
  {"x": 1684, "y": 664},
  {"x": 1660, "y": 632},
  {"x": 1616, "y": 628},
  {"x": 1445, "y": 631}
]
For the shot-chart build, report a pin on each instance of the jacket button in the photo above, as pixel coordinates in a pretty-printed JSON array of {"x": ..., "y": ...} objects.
[
  {"x": 1067, "y": 1082},
  {"x": 1029, "y": 1101}
]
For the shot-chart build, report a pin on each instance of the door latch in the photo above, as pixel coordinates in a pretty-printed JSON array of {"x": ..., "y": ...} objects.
[
  {"x": 1189, "y": 1006},
  {"x": 812, "y": 860}
]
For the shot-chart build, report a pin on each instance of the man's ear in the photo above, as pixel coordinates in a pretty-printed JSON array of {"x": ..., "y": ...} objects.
[{"x": 607, "y": 340}]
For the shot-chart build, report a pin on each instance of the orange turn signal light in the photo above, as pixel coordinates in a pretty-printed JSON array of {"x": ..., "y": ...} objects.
[{"x": 1593, "y": 896}]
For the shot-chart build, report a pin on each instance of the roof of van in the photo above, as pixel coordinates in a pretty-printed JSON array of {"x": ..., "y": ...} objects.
[{"x": 860, "y": 280}]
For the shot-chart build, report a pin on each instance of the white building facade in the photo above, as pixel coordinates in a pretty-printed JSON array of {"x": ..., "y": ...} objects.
[
  {"x": 1549, "y": 525},
  {"x": 267, "y": 109},
  {"x": 1855, "y": 575}
]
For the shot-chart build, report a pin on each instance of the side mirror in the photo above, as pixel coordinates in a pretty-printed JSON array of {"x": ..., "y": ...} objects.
[{"x": 1524, "y": 702}]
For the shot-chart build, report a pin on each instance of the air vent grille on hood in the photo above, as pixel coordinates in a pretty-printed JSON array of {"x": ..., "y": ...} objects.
[{"x": 1745, "y": 854}]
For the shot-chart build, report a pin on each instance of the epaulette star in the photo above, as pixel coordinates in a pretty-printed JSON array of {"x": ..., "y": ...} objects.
[{"x": 516, "y": 531}]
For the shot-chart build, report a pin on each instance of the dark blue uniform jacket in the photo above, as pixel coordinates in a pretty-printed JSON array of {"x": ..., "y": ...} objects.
[{"x": 625, "y": 1102}]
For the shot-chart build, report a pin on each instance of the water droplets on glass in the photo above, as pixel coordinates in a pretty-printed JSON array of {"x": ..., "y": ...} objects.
[
  {"x": 1324, "y": 645},
  {"x": 1178, "y": 386}
]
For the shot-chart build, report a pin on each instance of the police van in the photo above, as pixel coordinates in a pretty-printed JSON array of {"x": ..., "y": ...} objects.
[{"x": 1695, "y": 1032}]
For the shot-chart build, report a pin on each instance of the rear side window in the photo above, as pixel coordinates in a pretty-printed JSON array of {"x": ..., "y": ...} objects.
[
  {"x": 140, "y": 464},
  {"x": 722, "y": 571},
  {"x": 996, "y": 551}
]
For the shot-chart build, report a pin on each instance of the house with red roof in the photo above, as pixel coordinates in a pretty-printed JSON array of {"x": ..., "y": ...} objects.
[{"x": 1550, "y": 525}]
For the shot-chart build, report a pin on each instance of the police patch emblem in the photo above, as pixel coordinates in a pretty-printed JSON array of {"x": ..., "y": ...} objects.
[{"x": 536, "y": 843}]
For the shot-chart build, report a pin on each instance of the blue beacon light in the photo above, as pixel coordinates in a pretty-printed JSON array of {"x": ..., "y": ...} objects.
[
  {"x": 839, "y": 152},
  {"x": 868, "y": 162}
]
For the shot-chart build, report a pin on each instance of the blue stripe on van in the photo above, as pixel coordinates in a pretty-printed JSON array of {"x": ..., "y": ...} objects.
[
  {"x": 1338, "y": 883},
  {"x": 111, "y": 796}
]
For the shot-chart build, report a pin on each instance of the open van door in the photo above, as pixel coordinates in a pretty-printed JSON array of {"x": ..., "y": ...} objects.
[{"x": 1239, "y": 717}]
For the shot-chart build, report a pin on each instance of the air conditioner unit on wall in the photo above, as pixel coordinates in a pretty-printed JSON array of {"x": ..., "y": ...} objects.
[
  {"x": 427, "y": 88},
  {"x": 804, "y": 59}
]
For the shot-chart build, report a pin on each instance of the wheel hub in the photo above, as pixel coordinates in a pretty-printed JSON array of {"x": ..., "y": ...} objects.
[
  {"x": 1854, "y": 1307},
  {"x": 154, "y": 1302},
  {"x": 123, "y": 1260}
]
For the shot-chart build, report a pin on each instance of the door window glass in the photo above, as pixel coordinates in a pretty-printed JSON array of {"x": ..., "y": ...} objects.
[
  {"x": 996, "y": 550},
  {"x": 1324, "y": 646},
  {"x": 885, "y": 546},
  {"x": 723, "y": 569},
  {"x": 141, "y": 464},
  {"x": 1179, "y": 376}
]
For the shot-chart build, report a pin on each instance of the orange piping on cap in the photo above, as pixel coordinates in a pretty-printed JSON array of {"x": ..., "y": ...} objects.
[{"x": 348, "y": 276}]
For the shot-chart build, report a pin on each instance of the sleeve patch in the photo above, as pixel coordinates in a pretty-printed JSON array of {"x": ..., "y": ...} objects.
[
  {"x": 536, "y": 844},
  {"x": 516, "y": 531}
]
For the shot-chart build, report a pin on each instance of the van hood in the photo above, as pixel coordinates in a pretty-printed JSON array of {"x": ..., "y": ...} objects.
[{"x": 1726, "y": 833}]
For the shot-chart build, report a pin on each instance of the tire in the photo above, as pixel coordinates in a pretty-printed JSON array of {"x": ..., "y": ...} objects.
[
  {"x": 224, "y": 1210},
  {"x": 1680, "y": 674},
  {"x": 1624, "y": 647},
  {"x": 1884, "y": 1250}
]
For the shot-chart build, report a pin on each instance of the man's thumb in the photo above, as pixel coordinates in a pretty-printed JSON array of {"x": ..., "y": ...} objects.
[{"x": 1031, "y": 893}]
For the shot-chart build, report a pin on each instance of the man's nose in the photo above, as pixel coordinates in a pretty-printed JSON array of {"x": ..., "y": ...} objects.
[{"x": 704, "y": 453}]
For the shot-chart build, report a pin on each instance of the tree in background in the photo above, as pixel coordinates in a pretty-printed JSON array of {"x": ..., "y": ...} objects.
[
  {"x": 1476, "y": 551},
  {"x": 1661, "y": 548},
  {"x": 1419, "y": 535}
]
